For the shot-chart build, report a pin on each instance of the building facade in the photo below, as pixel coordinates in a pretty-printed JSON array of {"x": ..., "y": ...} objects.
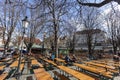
[{"x": 97, "y": 37}]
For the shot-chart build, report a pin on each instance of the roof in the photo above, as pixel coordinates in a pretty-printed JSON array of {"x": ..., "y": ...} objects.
[
  {"x": 36, "y": 40},
  {"x": 87, "y": 31}
]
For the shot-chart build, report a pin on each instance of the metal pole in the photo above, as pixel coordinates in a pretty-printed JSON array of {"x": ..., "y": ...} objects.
[{"x": 18, "y": 69}]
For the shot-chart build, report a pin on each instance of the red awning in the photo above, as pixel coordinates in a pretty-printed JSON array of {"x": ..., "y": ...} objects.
[{"x": 1, "y": 49}]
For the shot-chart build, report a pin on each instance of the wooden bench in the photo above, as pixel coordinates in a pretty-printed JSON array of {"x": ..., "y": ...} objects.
[
  {"x": 2, "y": 67},
  {"x": 60, "y": 61},
  {"x": 106, "y": 67},
  {"x": 62, "y": 77},
  {"x": 21, "y": 66},
  {"x": 100, "y": 65},
  {"x": 91, "y": 69},
  {"x": 34, "y": 62},
  {"x": 41, "y": 74},
  {"x": 50, "y": 62},
  {"x": 14, "y": 64},
  {"x": 107, "y": 74},
  {"x": 40, "y": 70},
  {"x": 94, "y": 70},
  {"x": 3, "y": 76},
  {"x": 76, "y": 74}
]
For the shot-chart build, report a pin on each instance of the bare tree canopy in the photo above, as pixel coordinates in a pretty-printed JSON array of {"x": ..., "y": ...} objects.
[{"x": 97, "y": 4}]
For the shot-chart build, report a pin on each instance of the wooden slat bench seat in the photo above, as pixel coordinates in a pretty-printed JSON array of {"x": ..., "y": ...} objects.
[
  {"x": 35, "y": 62},
  {"x": 100, "y": 65},
  {"x": 94, "y": 70},
  {"x": 21, "y": 66},
  {"x": 91, "y": 69},
  {"x": 2, "y": 67},
  {"x": 3, "y": 76},
  {"x": 39, "y": 70},
  {"x": 76, "y": 74},
  {"x": 41, "y": 74},
  {"x": 14, "y": 64},
  {"x": 107, "y": 74},
  {"x": 51, "y": 62},
  {"x": 60, "y": 61}
]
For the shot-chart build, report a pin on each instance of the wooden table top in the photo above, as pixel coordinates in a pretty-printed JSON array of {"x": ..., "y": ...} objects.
[
  {"x": 21, "y": 66},
  {"x": 1, "y": 67},
  {"x": 2, "y": 76},
  {"x": 39, "y": 70},
  {"x": 75, "y": 74},
  {"x": 34, "y": 62},
  {"x": 45, "y": 77},
  {"x": 101, "y": 65},
  {"x": 41, "y": 74},
  {"x": 91, "y": 69},
  {"x": 14, "y": 64},
  {"x": 51, "y": 62}
]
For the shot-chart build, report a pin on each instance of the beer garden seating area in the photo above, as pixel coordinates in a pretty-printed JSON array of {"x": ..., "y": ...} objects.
[{"x": 45, "y": 69}]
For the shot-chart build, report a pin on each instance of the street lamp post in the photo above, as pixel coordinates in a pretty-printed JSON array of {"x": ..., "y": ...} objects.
[
  {"x": 44, "y": 35},
  {"x": 24, "y": 25}
]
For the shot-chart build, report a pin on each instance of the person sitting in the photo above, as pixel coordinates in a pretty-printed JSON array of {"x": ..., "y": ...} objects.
[
  {"x": 116, "y": 57},
  {"x": 24, "y": 51},
  {"x": 48, "y": 56},
  {"x": 74, "y": 59},
  {"x": 119, "y": 54},
  {"x": 68, "y": 60},
  {"x": 52, "y": 57}
]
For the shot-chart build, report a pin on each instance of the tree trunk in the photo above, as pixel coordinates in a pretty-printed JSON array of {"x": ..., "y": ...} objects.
[
  {"x": 114, "y": 47},
  {"x": 56, "y": 45},
  {"x": 89, "y": 43}
]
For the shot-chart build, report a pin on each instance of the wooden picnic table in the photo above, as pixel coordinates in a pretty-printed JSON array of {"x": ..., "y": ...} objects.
[
  {"x": 6, "y": 59},
  {"x": 110, "y": 63},
  {"x": 14, "y": 64},
  {"x": 41, "y": 74},
  {"x": 34, "y": 62},
  {"x": 76, "y": 74},
  {"x": 3, "y": 76},
  {"x": 100, "y": 62},
  {"x": 100, "y": 65},
  {"x": 91, "y": 69},
  {"x": 50, "y": 62},
  {"x": 21, "y": 66},
  {"x": 40, "y": 70},
  {"x": 1, "y": 67},
  {"x": 94, "y": 70}
]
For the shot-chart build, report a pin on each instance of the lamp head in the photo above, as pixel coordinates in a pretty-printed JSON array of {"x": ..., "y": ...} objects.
[{"x": 25, "y": 22}]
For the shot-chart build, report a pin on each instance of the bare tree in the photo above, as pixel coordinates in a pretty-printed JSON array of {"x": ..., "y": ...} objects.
[
  {"x": 56, "y": 10},
  {"x": 91, "y": 23},
  {"x": 97, "y": 4},
  {"x": 9, "y": 19},
  {"x": 113, "y": 29},
  {"x": 36, "y": 20}
]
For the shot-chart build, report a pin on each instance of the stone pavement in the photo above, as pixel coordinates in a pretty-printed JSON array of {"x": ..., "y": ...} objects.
[{"x": 25, "y": 74}]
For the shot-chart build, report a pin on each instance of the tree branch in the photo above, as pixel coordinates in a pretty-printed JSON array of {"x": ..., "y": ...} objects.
[{"x": 96, "y": 4}]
